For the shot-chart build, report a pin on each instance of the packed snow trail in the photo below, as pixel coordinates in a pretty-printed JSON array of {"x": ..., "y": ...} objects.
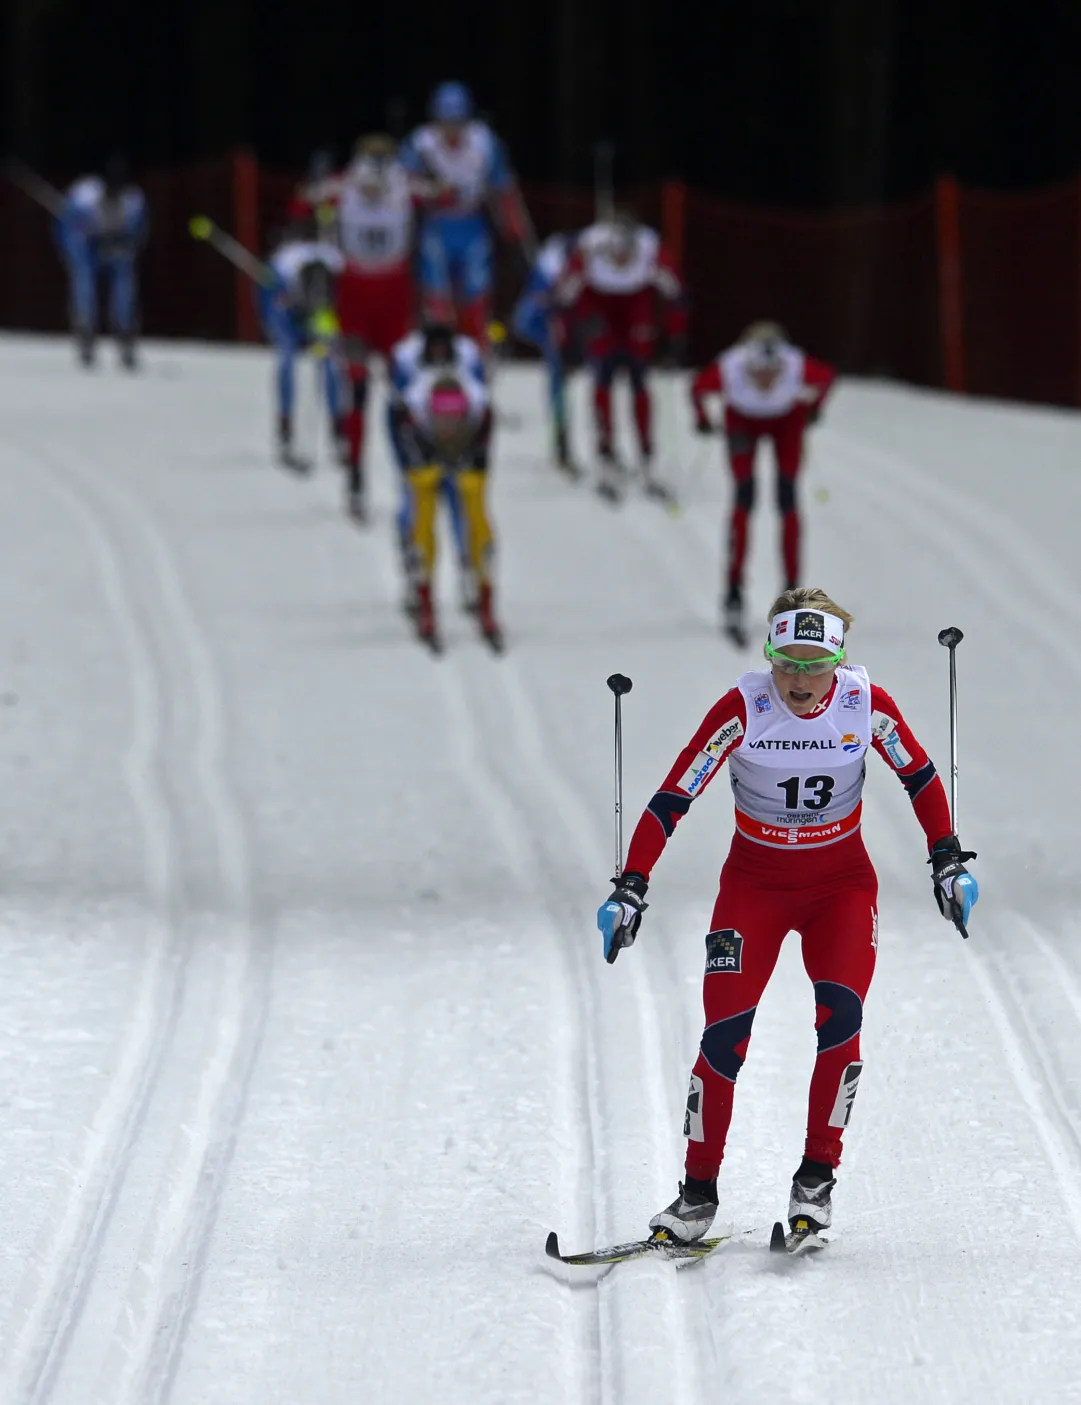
[{"x": 306, "y": 1036}]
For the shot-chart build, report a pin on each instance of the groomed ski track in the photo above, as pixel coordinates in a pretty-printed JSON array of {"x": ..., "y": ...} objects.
[{"x": 305, "y": 1036}]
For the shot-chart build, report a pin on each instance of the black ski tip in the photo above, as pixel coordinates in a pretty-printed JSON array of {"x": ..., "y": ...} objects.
[
  {"x": 494, "y": 639},
  {"x": 777, "y": 1239},
  {"x": 735, "y": 636},
  {"x": 551, "y": 1245}
]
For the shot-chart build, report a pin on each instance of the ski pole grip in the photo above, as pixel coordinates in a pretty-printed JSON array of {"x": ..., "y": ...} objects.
[
  {"x": 620, "y": 684},
  {"x": 950, "y": 638}
]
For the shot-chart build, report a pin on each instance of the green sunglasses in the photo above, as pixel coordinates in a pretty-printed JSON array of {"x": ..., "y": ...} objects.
[{"x": 813, "y": 667}]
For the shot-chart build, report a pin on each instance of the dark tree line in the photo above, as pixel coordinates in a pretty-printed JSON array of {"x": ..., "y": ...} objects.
[{"x": 794, "y": 102}]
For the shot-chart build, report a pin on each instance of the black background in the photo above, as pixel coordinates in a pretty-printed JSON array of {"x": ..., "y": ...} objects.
[{"x": 788, "y": 102}]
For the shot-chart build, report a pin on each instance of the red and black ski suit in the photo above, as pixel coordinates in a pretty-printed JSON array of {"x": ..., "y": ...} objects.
[
  {"x": 781, "y": 414},
  {"x": 828, "y": 893}
]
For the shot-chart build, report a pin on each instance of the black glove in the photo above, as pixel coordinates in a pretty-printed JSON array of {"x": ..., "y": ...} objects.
[
  {"x": 814, "y": 414},
  {"x": 956, "y": 890},
  {"x": 703, "y": 426},
  {"x": 620, "y": 917}
]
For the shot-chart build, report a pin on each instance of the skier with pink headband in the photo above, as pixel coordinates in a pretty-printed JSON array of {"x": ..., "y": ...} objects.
[{"x": 795, "y": 736}]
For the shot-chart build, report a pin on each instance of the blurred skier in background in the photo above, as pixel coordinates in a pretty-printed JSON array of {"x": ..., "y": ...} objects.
[
  {"x": 623, "y": 287},
  {"x": 772, "y": 390},
  {"x": 444, "y": 431},
  {"x": 367, "y": 210},
  {"x": 101, "y": 228},
  {"x": 538, "y": 320},
  {"x": 463, "y": 173},
  {"x": 435, "y": 349},
  {"x": 297, "y": 310}
]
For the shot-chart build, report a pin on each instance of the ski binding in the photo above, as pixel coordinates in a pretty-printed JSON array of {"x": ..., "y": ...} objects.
[{"x": 801, "y": 1239}]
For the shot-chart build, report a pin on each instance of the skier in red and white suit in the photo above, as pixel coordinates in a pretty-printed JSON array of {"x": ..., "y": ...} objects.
[
  {"x": 369, "y": 208},
  {"x": 772, "y": 390},
  {"x": 622, "y": 287},
  {"x": 795, "y": 742}
]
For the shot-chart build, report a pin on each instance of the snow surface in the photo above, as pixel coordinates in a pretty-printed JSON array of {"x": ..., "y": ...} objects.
[{"x": 305, "y": 1036}]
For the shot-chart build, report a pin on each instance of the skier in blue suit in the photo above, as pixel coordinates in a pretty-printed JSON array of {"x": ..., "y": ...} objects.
[
  {"x": 463, "y": 177},
  {"x": 101, "y": 228},
  {"x": 536, "y": 319}
]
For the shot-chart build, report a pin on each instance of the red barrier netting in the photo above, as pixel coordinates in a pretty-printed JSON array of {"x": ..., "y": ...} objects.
[
  {"x": 860, "y": 288},
  {"x": 1021, "y": 294}
]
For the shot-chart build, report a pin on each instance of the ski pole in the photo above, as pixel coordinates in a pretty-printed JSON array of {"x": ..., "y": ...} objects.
[
  {"x": 619, "y": 685},
  {"x": 949, "y": 639},
  {"x": 207, "y": 232},
  {"x": 38, "y": 189}
]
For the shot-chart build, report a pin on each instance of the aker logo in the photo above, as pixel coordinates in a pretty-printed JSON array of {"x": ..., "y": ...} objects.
[
  {"x": 850, "y": 742},
  {"x": 852, "y": 699},
  {"x": 810, "y": 627},
  {"x": 701, "y": 769},
  {"x": 724, "y": 952},
  {"x": 762, "y": 703},
  {"x": 721, "y": 740},
  {"x": 692, "y": 1120},
  {"x": 846, "y": 1095}
]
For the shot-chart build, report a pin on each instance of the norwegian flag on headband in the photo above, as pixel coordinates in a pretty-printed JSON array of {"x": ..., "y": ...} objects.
[{"x": 782, "y": 628}]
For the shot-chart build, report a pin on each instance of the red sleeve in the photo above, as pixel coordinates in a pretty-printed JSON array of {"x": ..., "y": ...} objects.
[
  {"x": 706, "y": 382},
  {"x": 512, "y": 216},
  {"x": 722, "y": 729},
  {"x": 892, "y": 738},
  {"x": 572, "y": 282},
  {"x": 818, "y": 379}
]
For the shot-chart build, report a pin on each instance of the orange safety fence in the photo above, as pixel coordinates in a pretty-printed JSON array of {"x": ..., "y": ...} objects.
[{"x": 958, "y": 288}]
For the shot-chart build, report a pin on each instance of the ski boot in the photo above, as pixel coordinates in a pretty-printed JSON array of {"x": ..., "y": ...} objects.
[
  {"x": 732, "y": 624},
  {"x": 654, "y": 487},
  {"x": 611, "y": 474},
  {"x": 425, "y": 617},
  {"x": 810, "y": 1210},
  {"x": 126, "y": 346},
  {"x": 486, "y": 619},
  {"x": 690, "y": 1214},
  {"x": 355, "y": 504},
  {"x": 287, "y": 455},
  {"x": 85, "y": 347}
]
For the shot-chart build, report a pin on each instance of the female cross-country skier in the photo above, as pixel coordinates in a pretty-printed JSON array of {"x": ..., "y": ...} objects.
[{"x": 795, "y": 737}]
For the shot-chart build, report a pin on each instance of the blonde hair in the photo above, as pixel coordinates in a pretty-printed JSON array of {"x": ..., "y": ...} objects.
[{"x": 807, "y": 597}]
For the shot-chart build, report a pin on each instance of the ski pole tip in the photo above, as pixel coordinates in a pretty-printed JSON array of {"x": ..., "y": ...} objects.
[
  {"x": 620, "y": 684},
  {"x": 951, "y": 637}
]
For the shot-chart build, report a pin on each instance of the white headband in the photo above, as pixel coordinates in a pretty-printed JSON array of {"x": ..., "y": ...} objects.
[{"x": 807, "y": 627}]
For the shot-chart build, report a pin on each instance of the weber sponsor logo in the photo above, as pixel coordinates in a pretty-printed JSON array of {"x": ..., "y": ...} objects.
[
  {"x": 723, "y": 739},
  {"x": 724, "y": 952}
]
